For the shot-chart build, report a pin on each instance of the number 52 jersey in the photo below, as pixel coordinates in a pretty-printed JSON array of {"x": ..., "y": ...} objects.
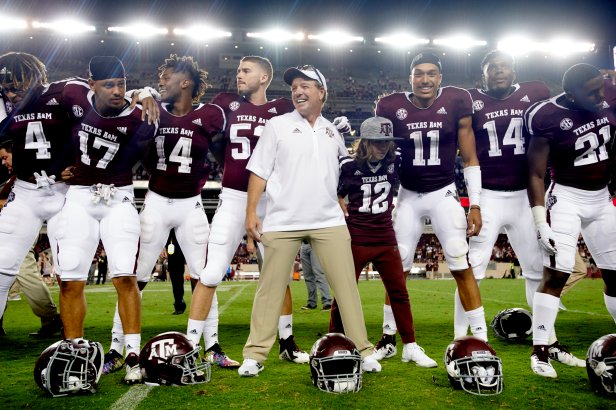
[{"x": 245, "y": 122}]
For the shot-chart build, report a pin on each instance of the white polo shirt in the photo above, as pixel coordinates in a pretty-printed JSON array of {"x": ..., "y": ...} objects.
[{"x": 300, "y": 165}]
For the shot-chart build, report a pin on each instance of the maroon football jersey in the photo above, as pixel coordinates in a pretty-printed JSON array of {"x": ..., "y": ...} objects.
[
  {"x": 430, "y": 136},
  {"x": 178, "y": 167},
  {"x": 245, "y": 122},
  {"x": 108, "y": 147},
  {"x": 578, "y": 141},
  {"x": 40, "y": 132},
  {"x": 370, "y": 202},
  {"x": 500, "y": 135}
]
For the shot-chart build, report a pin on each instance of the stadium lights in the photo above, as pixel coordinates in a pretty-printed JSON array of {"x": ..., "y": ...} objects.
[
  {"x": 277, "y": 35},
  {"x": 559, "y": 47},
  {"x": 140, "y": 30},
  {"x": 201, "y": 32},
  {"x": 10, "y": 24},
  {"x": 401, "y": 40},
  {"x": 65, "y": 27},
  {"x": 335, "y": 38},
  {"x": 459, "y": 42}
]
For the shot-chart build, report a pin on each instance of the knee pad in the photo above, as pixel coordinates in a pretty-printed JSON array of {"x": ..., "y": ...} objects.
[
  {"x": 69, "y": 259},
  {"x": 222, "y": 229},
  {"x": 455, "y": 252},
  {"x": 148, "y": 220},
  {"x": 405, "y": 255},
  {"x": 197, "y": 220},
  {"x": 210, "y": 278}
]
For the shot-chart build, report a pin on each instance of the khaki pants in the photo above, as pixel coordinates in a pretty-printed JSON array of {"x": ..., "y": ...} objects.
[
  {"x": 579, "y": 272},
  {"x": 333, "y": 249},
  {"x": 31, "y": 283}
]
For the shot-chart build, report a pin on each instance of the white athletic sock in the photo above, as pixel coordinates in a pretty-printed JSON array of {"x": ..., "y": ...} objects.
[
  {"x": 610, "y": 304},
  {"x": 132, "y": 343},
  {"x": 210, "y": 326},
  {"x": 545, "y": 309},
  {"x": 389, "y": 323},
  {"x": 194, "y": 330},
  {"x": 285, "y": 326},
  {"x": 460, "y": 321},
  {"x": 117, "y": 332},
  {"x": 477, "y": 321},
  {"x": 531, "y": 288}
]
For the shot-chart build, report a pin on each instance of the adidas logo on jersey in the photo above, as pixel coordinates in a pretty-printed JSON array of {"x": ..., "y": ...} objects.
[
  {"x": 541, "y": 327},
  {"x": 273, "y": 110},
  {"x": 53, "y": 101},
  {"x": 126, "y": 199},
  {"x": 123, "y": 130},
  {"x": 197, "y": 122},
  {"x": 525, "y": 99},
  {"x": 358, "y": 172},
  {"x": 442, "y": 111},
  {"x": 198, "y": 205},
  {"x": 449, "y": 193},
  {"x": 297, "y": 131}
]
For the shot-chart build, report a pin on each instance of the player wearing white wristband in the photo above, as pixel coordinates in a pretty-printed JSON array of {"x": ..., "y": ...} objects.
[
  {"x": 434, "y": 121},
  {"x": 572, "y": 131}
]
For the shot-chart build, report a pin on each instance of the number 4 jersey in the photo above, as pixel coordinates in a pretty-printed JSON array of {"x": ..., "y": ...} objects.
[
  {"x": 41, "y": 135},
  {"x": 430, "y": 136},
  {"x": 245, "y": 122},
  {"x": 500, "y": 135}
]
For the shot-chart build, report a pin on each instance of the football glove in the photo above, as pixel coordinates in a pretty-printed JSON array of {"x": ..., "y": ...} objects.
[
  {"x": 546, "y": 236},
  {"x": 342, "y": 124},
  {"x": 44, "y": 182}
]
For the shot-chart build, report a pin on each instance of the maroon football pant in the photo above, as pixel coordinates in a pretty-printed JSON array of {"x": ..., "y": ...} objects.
[{"x": 386, "y": 260}]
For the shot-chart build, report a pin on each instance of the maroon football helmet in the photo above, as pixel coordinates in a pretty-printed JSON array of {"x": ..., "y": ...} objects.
[
  {"x": 171, "y": 359},
  {"x": 601, "y": 365},
  {"x": 335, "y": 364},
  {"x": 69, "y": 366},
  {"x": 472, "y": 365}
]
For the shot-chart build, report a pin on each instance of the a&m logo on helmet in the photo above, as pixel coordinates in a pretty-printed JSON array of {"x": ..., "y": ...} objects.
[
  {"x": 478, "y": 105},
  {"x": 78, "y": 111},
  {"x": 163, "y": 348},
  {"x": 566, "y": 124},
  {"x": 401, "y": 114},
  {"x": 234, "y": 105},
  {"x": 386, "y": 129}
]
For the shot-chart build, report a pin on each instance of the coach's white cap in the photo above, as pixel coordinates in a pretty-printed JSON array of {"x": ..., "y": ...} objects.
[{"x": 308, "y": 72}]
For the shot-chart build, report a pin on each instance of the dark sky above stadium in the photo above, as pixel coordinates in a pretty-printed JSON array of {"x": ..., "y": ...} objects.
[{"x": 589, "y": 20}]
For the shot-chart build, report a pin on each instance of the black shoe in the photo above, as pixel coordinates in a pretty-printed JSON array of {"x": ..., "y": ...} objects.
[
  {"x": 327, "y": 307},
  {"x": 49, "y": 330},
  {"x": 289, "y": 350},
  {"x": 308, "y": 307},
  {"x": 179, "y": 308}
]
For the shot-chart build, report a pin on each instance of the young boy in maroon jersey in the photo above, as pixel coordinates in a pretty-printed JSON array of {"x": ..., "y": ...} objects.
[{"x": 369, "y": 179}]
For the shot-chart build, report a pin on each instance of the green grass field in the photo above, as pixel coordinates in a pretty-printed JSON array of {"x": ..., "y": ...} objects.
[{"x": 288, "y": 385}]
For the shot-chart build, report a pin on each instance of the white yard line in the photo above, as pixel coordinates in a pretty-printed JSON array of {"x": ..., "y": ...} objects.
[
  {"x": 136, "y": 394},
  {"x": 509, "y": 302},
  {"x": 131, "y": 399}
]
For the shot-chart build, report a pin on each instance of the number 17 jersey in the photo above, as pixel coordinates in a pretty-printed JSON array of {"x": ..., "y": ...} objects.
[{"x": 245, "y": 122}]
